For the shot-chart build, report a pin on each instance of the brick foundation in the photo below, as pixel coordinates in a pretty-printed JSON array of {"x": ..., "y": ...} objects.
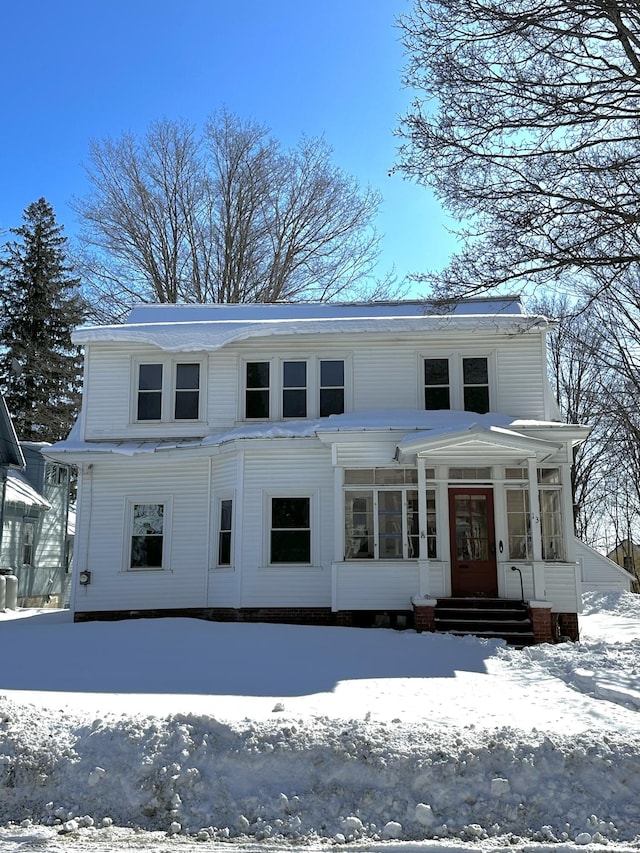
[
  {"x": 424, "y": 615},
  {"x": 278, "y": 615},
  {"x": 543, "y": 624},
  {"x": 568, "y": 625}
]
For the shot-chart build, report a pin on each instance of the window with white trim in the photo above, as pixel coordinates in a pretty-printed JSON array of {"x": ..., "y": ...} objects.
[
  {"x": 437, "y": 393},
  {"x": 257, "y": 389},
  {"x": 457, "y": 382},
  {"x": 518, "y": 523},
  {"x": 28, "y": 542},
  {"x": 381, "y": 514},
  {"x": 475, "y": 385},
  {"x": 225, "y": 529},
  {"x": 294, "y": 389},
  {"x": 147, "y": 535},
  {"x": 551, "y": 518},
  {"x": 331, "y": 387},
  {"x": 290, "y": 530},
  {"x": 286, "y": 388},
  {"x": 168, "y": 390}
]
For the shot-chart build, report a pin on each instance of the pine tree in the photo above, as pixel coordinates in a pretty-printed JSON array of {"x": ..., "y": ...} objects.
[{"x": 40, "y": 369}]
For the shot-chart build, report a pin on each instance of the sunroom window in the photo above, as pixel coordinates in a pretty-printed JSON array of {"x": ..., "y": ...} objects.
[{"x": 381, "y": 514}]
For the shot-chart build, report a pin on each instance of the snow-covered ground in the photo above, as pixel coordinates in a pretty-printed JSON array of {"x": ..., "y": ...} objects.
[{"x": 164, "y": 734}]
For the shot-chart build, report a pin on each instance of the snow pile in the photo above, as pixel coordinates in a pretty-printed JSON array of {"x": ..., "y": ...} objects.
[{"x": 473, "y": 742}]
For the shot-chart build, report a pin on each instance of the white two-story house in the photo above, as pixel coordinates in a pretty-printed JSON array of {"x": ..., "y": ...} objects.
[{"x": 327, "y": 463}]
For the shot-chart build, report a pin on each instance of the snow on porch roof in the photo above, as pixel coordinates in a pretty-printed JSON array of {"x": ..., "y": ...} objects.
[
  {"x": 210, "y": 327},
  {"x": 407, "y": 424}
]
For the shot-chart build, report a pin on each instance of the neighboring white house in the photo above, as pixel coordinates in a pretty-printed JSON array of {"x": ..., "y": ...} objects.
[{"x": 321, "y": 463}]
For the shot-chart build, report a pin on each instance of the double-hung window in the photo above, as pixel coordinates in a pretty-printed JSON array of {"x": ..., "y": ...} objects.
[
  {"x": 286, "y": 388},
  {"x": 290, "y": 530},
  {"x": 437, "y": 393},
  {"x": 168, "y": 390},
  {"x": 147, "y": 541},
  {"x": 475, "y": 381},
  {"x": 381, "y": 514},
  {"x": 225, "y": 529},
  {"x": 294, "y": 389},
  {"x": 258, "y": 389},
  {"x": 150, "y": 378},
  {"x": 453, "y": 382},
  {"x": 331, "y": 387}
]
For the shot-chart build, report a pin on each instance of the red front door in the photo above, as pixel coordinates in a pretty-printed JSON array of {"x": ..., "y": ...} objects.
[{"x": 473, "y": 542}]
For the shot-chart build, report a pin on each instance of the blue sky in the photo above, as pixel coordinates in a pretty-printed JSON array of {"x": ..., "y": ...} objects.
[{"x": 83, "y": 69}]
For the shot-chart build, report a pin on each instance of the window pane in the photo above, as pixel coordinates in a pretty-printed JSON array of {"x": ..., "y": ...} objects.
[
  {"x": 549, "y": 476},
  {"x": 294, "y": 403},
  {"x": 149, "y": 392},
  {"x": 290, "y": 546},
  {"x": 150, "y": 377},
  {"x": 361, "y": 476},
  {"x": 436, "y": 371},
  {"x": 476, "y": 400},
  {"x": 432, "y": 544},
  {"x": 187, "y": 405},
  {"x": 150, "y": 406},
  {"x": 413, "y": 526},
  {"x": 258, "y": 374},
  {"x": 294, "y": 374},
  {"x": 332, "y": 374},
  {"x": 257, "y": 404},
  {"x": 147, "y": 536},
  {"x": 518, "y": 529},
  {"x": 552, "y": 525},
  {"x": 187, "y": 376},
  {"x": 389, "y": 476},
  {"x": 358, "y": 525},
  {"x": 224, "y": 538},
  {"x": 331, "y": 401},
  {"x": 475, "y": 371},
  {"x": 436, "y": 398},
  {"x": 290, "y": 512}
]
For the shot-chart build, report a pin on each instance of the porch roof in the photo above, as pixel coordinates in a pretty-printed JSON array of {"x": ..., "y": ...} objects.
[{"x": 477, "y": 441}]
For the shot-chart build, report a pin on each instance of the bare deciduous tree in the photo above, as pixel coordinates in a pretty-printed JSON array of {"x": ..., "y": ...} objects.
[
  {"x": 526, "y": 125},
  {"x": 224, "y": 216}
]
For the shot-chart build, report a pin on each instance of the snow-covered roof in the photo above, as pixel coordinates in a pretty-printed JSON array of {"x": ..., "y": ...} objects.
[
  {"x": 210, "y": 327},
  {"x": 18, "y": 490},
  {"x": 407, "y": 424}
]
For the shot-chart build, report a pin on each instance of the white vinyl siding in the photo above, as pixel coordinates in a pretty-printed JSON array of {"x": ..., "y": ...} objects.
[
  {"x": 105, "y": 489},
  {"x": 294, "y": 585},
  {"x": 380, "y": 372}
]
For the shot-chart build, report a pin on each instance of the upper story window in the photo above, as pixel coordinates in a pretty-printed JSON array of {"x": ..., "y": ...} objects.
[
  {"x": 187, "y": 397},
  {"x": 150, "y": 392},
  {"x": 436, "y": 383},
  {"x": 331, "y": 388},
  {"x": 168, "y": 390},
  {"x": 294, "y": 388},
  {"x": 457, "y": 383},
  {"x": 475, "y": 380},
  {"x": 257, "y": 393}
]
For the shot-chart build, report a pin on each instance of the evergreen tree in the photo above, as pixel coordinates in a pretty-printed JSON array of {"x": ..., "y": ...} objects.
[{"x": 40, "y": 369}]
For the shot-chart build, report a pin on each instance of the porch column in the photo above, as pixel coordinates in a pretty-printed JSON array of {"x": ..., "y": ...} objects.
[
  {"x": 423, "y": 559},
  {"x": 536, "y": 531}
]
